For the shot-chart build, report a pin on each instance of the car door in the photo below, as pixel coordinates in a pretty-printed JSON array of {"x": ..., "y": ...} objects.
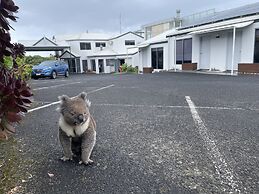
[
  {"x": 58, "y": 67},
  {"x": 63, "y": 67}
]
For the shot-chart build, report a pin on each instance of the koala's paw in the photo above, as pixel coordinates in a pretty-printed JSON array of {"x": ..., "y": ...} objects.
[
  {"x": 64, "y": 158},
  {"x": 86, "y": 162}
]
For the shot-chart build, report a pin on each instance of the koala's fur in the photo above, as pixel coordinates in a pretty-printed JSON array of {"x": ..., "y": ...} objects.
[{"x": 77, "y": 133}]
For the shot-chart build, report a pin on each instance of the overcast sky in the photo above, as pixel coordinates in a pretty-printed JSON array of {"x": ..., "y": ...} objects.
[{"x": 55, "y": 17}]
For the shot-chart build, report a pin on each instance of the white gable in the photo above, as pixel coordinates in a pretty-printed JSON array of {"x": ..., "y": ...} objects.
[{"x": 44, "y": 42}]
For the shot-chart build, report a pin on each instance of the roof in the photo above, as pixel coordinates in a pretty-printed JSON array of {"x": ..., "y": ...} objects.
[
  {"x": 238, "y": 12},
  {"x": 84, "y": 36},
  {"x": 67, "y": 55},
  {"x": 233, "y": 23},
  {"x": 43, "y": 44},
  {"x": 157, "y": 39},
  {"x": 118, "y": 36}
]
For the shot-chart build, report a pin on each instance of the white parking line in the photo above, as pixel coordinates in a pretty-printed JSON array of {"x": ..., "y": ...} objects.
[
  {"x": 224, "y": 173},
  {"x": 57, "y": 102},
  {"x": 49, "y": 81},
  {"x": 55, "y": 86},
  {"x": 162, "y": 106}
]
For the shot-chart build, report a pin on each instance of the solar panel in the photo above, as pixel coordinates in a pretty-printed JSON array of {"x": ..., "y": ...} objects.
[{"x": 246, "y": 10}]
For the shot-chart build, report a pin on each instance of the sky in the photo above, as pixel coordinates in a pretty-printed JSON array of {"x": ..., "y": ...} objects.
[{"x": 38, "y": 18}]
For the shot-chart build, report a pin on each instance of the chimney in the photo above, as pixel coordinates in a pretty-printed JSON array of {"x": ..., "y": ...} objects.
[{"x": 178, "y": 13}]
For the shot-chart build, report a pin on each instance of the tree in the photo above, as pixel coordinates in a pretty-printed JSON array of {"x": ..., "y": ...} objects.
[{"x": 14, "y": 91}]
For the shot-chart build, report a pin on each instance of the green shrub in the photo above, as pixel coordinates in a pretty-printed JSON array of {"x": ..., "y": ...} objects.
[
  {"x": 124, "y": 67},
  {"x": 129, "y": 68},
  {"x": 14, "y": 91}
]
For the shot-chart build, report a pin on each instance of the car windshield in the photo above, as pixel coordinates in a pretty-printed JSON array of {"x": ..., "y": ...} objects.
[{"x": 47, "y": 63}]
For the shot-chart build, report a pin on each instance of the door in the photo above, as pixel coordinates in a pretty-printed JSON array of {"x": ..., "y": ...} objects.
[
  {"x": 157, "y": 58},
  {"x": 101, "y": 65},
  {"x": 72, "y": 65},
  {"x": 93, "y": 65},
  {"x": 85, "y": 65},
  {"x": 204, "y": 53}
]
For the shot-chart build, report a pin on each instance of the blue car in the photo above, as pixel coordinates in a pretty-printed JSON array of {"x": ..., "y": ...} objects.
[{"x": 50, "y": 69}]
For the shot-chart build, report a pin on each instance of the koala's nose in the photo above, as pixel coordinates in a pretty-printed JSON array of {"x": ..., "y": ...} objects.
[{"x": 81, "y": 118}]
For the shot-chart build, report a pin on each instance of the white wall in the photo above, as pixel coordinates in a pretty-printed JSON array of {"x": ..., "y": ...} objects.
[
  {"x": 118, "y": 44},
  {"x": 196, "y": 49},
  {"x": 146, "y": 55},
  {"x": 248, "y": 42},
  {"x": 135, "y": 60}
]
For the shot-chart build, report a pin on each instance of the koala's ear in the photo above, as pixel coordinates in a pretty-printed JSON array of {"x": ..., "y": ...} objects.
[
  {"x": 63, "y": 98},
  {"x": 83, "y": 95}
]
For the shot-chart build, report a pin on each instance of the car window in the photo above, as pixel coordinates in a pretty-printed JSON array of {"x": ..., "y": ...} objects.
[{"x": 47, "y": 63}]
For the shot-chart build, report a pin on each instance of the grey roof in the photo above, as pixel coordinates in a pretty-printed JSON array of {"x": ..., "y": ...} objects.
[{"x": 250, "y": 9}]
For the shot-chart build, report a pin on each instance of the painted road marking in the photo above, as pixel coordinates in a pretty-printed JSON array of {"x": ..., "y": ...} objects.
[
  {"x": 162, "y": 106},
  {"x": 50, "y": 81},
  {"x": 224, "y": 173},
  {"x": 57, "y": 102},
  {"x": 55, "y": 86}
]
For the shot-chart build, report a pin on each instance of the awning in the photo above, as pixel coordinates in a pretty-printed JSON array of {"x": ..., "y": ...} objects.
[
  {"x": 143, "y": 45},
  {"x": 226, "y": 27}
]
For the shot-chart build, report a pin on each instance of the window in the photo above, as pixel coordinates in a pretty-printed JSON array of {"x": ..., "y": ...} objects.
[
  {"x": 85, "y": 46},
  {"x": 99, "y": 44},
  {"x": 110, "y": 62},
  {"x": 184, "y": 51},
  {"x": 129, "y": 42},
  {"x": 157, "y": 58},
  {"x": 256, "y": 50}
]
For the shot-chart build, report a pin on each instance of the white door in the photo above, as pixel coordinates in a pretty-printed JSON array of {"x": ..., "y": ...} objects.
[{"x": 204, "y": 53}]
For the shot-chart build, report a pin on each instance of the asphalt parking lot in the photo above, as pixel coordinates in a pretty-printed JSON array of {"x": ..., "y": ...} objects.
[{"x": 156, "y": 133}]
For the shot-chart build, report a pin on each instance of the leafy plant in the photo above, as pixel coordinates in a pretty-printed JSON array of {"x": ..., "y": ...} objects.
[
  {"x": 129, "y": 68},
  {"x": 14, "y": 92},
  {"x": 124, "y": 67}
]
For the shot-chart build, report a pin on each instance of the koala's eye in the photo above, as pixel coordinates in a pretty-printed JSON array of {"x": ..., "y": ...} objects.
[{"x": 84, "y": 113}]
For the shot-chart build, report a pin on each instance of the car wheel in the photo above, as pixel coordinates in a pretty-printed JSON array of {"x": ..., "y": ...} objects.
[
  {"x": 66, "y": 73},
  {"x": 53, "y": 75}
]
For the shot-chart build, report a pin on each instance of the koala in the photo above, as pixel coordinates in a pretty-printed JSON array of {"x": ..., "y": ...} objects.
[{"x": 77, "y": 128}]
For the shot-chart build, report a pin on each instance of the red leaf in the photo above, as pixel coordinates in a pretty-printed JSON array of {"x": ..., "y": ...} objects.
[
  {"x": 13, "y": 117},
  {"x": 26, "y": 93},
  {"x": 9, "y": 102},
  {"x": 19, "y": 101},
  {"x": 18, "y": 84},
  {"x": 9, "y": 128},
  {"x": 7, "y": 90},
  {"x": 16, "y": 92},
  {"x": 25, "y": 100},
  {"x": 22, "y": 109}
]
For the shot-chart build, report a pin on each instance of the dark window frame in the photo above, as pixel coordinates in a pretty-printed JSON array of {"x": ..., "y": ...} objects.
[
  {"x": 184, "y": 51},
  {"x": 85, "y": 46},
  {"x": 157, "y": 54},
  {"x": 130, "y": 42},
  {"x": 99, "y": 44},
  {"x": 256, "y": 47}
]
